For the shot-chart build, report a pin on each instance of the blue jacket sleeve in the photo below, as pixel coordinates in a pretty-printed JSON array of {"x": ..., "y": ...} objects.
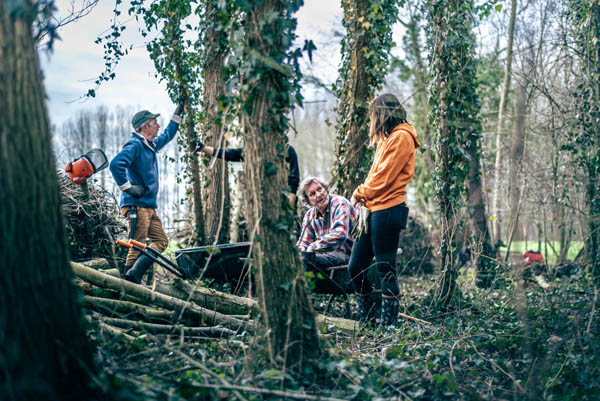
[
  {"x": 166, "y": 137},
  {"x": 119, "y": 164}
]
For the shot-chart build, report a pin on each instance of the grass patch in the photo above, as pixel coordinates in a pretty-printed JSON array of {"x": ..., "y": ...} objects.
[{"x": 553, "y": 247}]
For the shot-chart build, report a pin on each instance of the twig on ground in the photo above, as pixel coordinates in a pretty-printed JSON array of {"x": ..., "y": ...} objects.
[
  {"x": 203, "y": 368},
  {"x": 589, "y": 325},
  {"x": 414, "y": 319},
  {"x": 495, "y": 365},
  {"x": 277, "y": 393}
]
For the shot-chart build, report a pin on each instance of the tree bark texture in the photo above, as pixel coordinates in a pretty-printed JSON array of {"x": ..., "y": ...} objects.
[
  {"x": 482, "y": 253},
  {"x": 353, "y": 156},
  {"x": 191, "y": 136},
  {"x": 446, "y": 287},
  {"x": 194, "y": 166},
  {"x": 281, "y": 288},
  {"x": 155, "y": 298},
  {"x": 593, "y": 130},
  {"x": 517, "y": 148},
  {"x": 215, "y": 191},
  {"x": 498, "y": 167},
  {"x": 44, "y": 353},
  {"x": 586, "y": 142},
  {"x": 458, "y": 137}
]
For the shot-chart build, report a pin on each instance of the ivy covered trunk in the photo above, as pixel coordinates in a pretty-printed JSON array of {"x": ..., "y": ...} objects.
[
  {"x": 216, "y": 189},
  {"x": 266, "y": 87},
  {"x": 365, "y": 52},
  {"x": 179, "y": 68},
  {"x": 585, "y": 142},
  {"x": 185, "y": 83},
  {"x": 465, "y": 111},
  {"x": 194, "y": 170},
  {"x": 455, "y": 109},
  {"x": 44, "y": 353}
]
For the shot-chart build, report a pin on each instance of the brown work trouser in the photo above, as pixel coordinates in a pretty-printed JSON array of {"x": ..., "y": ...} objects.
[{"x": 148, "y": 225}]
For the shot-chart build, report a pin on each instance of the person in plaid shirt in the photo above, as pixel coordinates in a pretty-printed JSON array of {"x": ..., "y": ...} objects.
[{"x": 325, "y": 240}]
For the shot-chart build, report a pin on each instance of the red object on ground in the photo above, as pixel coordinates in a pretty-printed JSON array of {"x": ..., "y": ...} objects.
[{"x": 532, "y": 257}]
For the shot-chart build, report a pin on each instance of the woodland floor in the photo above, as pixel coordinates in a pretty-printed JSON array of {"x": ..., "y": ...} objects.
[{"x": 515, "y": 341}]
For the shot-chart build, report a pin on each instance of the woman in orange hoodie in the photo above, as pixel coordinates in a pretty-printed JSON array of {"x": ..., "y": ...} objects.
[{"x": 383, "y": 194}]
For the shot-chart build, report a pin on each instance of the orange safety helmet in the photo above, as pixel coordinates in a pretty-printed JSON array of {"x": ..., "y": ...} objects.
[{"x": 83, "y": 167}]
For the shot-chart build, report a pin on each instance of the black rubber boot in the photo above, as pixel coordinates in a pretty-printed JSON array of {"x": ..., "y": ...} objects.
[
  {"x": 368, "y": 309},
  {"x": 123, "y": 268},
  {"x": 140, "y": 266},
  {"x": 389, "y": 311}
]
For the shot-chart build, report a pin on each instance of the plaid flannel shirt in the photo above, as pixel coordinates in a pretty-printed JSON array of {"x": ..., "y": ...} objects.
[{"x": 330, "y": 231}]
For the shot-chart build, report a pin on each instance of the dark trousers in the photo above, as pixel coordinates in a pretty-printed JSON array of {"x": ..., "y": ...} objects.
[
  {"x": 318, "y": 263},
  {"x": 381, "y": 242}
]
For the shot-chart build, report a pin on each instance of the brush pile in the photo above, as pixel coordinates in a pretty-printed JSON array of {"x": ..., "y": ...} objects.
[{"x": 92, "y": 220}]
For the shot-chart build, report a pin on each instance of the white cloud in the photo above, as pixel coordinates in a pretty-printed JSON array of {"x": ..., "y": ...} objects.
[{"x": 77, "y": 61}]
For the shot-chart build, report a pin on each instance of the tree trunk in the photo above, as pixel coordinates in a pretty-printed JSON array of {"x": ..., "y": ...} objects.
[
  {"x": 216, "y": 189},
  {"x": 458, "y": 136},
  {"x": 182, "y": 75},
  {"x": 353, "y": 156},
  {"x": 498, "y": 168},
  {"x": 102, "y": 127},
  {"x": 194, "y": 166},
  {"x": 44, "y": 351},
  {"x": 517, "y": 148},
  {"x": 482, "y": 252},
  {"x": 446, "y": 286},
  {"x": 284, "y": 303},
  {"x": 586, "y": 34}
]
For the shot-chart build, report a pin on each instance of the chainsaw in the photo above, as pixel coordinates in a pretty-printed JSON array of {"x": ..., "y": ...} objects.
[{"x": 87, "y": 165}]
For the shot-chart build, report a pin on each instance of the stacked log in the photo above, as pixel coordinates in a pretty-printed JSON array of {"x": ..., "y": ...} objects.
[
  {"x": 124, "y": 309},
  {"x": 121, "y": 307}
]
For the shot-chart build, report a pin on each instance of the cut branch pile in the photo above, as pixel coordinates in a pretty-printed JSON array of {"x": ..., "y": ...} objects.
[
  {"x": 92, "y": 218},
  {"x": 177, "y": 307},
  {"x": 128, "y": 310}
]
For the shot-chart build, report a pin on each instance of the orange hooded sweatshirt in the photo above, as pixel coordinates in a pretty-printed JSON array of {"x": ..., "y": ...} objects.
[{"x": 393, "y": 167}]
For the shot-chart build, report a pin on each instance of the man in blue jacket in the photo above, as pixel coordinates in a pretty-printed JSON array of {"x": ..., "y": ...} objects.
[{"x": 135, "y": 169}]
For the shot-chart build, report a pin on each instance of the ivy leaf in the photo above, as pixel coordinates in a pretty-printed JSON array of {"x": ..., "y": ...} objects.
[
  {"x": 308, "y": 47},
  {"x": 498, "y": 7},
  {"x": 270, "y": 169}
]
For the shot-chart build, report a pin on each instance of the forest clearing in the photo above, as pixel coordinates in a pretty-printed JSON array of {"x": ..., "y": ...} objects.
[{"x": 400, "y": 203}]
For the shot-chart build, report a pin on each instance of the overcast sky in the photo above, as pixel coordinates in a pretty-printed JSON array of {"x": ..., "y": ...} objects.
[{"x": 70, "y": 71}]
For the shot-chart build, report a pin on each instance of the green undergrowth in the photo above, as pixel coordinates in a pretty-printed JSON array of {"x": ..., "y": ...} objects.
[{"x": 515, "y": 341}]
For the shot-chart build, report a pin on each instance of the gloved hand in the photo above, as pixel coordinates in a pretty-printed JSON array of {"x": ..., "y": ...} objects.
[
  {"x": 199, "y": 146},
  {"x": 360, "y": 226},
  {"x": 179, "y": 110},
  {"x": 135, "y": 190}
]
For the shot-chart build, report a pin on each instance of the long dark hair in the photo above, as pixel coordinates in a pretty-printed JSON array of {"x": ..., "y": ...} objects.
[{"x": 385, "y": 112}]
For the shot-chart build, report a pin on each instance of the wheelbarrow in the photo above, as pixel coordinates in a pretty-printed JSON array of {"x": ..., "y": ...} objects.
[
  {"x": 228, "y": 263},
  {"x": 223, "y": 263}
]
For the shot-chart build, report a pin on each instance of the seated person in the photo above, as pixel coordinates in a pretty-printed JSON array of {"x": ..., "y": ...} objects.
[
  {"x": 236, "y": 155},
  {"x": 325, "y": 237}
]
